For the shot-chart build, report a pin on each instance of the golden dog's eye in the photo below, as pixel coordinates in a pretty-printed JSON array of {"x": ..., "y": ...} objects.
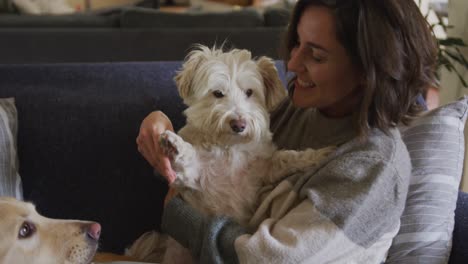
[
  {"x": 249, "y": 92},
  {"x": 27, "y": 229},
  {"x": 218, "y": 94}
]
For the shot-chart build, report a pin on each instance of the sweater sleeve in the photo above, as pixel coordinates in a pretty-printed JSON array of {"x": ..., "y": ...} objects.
[{"x": 210, "y": 239}]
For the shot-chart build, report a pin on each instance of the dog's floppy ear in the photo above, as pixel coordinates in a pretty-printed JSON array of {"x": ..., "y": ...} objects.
[
  {"x": 275, "y": 91},
  {"x": 184, "y": 77}
]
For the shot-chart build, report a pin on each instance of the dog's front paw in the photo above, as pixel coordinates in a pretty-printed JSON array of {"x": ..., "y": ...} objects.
[
  {"x": 170, "y": 143},
  {"x": 183, "y": 159}
]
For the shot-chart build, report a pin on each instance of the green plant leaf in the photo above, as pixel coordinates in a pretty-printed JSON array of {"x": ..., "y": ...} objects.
[
  {"x": 451, "y": 41},
  {"x": 462, "y": 80},
  {"x": 458, "y": 57},
  {"x": 449, "y": 54},
  {"x": 461, "y": 56}
]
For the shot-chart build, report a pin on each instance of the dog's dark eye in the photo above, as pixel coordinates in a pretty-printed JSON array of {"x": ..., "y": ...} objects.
[
  {"x": 27, "y": 229},
  {"x": 218, "y": 94},
  {"x": 249, "y": 92}
]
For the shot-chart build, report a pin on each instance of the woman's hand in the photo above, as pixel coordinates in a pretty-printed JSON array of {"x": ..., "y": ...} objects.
[{"x": 148, "y": 143}]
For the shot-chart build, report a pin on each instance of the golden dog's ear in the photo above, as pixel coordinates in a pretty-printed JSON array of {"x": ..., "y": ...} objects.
[
  {"x": 275, "y": 91},
  {"x": 184, "y": 77}
]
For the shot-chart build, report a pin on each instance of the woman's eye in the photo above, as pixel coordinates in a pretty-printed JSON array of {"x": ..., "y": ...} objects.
[
  {"x": 27, "y": 229},
  {"x": 317, "y": 59},
  {"x": 249, "y": 92},
  {"x": 316, "y": 55},
  {"x": 218, "y": 94}
]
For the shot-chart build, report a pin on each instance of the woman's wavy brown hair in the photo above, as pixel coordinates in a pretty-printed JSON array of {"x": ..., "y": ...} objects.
[{"x": 392, "y": 44}]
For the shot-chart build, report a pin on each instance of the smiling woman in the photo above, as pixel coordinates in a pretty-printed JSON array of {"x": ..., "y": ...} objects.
[
  {"x": 326, "y": 78},
  {"x": 358, "y": 67},
  {"x": 375, "y": 70}
]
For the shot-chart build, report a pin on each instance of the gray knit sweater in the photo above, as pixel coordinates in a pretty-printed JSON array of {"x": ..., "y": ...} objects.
[{"x": 345, "y": 211}]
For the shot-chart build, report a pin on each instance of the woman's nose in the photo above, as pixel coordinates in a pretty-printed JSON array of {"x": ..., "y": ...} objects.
[{"x": 295, "y": 62}]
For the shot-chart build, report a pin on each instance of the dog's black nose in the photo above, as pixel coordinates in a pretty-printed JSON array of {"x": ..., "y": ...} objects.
[{"x": 237, "y": 125}]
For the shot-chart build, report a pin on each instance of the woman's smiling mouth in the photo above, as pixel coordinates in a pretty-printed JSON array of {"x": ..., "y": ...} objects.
[{"x": 304, "y": 83}]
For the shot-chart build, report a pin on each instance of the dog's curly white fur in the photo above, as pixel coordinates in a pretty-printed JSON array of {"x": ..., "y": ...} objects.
[{"x": 226, "y": 148}]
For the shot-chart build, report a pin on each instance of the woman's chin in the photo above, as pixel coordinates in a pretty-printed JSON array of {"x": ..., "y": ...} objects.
[{"x": 301, "y": 101}]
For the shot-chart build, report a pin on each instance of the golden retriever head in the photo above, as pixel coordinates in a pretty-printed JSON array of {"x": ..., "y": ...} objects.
[{"x": 28, "y": 237}]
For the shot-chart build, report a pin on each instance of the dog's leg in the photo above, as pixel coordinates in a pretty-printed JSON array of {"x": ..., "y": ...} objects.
[
  {"x": 150, "y": 247},
  {"x": 286, "y": 162},
  {"x": 183, "y": 158},
  {"x": 176, "y": 253}
]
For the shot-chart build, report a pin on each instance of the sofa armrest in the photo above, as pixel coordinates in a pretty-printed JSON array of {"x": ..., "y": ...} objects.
[{"x": 459, "y": 252}]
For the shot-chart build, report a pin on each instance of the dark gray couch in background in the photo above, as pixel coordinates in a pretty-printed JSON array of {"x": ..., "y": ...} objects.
[{"x": 136, "y": 34}]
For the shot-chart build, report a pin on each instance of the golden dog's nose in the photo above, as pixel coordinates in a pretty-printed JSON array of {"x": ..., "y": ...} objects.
[{"x": 93, "y": 231}]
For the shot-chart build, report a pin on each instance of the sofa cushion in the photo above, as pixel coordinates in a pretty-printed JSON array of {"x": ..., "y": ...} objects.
[
  {"x": 141, "y": 17},
  {"x": 10, "y": 181},
  {"x": 435, "y": 142}
]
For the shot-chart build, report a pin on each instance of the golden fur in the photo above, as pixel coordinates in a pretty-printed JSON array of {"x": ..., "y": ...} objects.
[{"x": 26, "y": 237}]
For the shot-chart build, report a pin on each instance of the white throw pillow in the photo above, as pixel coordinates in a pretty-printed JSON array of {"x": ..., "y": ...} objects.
[
  {"x": 435, "y": 142},
  {"x": 10, "y": 181}
]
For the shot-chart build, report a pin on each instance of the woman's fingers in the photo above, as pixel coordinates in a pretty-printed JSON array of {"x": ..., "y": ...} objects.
[
  {"x": 148, "y": 143},
  {"x": 145, "y": 145},
  {"x": 167, "y": 170}
]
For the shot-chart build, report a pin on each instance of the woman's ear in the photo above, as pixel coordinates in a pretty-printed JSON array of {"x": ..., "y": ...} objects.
[{"x": 275, "y": 91}]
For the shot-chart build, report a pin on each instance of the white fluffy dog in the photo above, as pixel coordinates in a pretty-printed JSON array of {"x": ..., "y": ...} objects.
[{"x": 225, "y": 153}]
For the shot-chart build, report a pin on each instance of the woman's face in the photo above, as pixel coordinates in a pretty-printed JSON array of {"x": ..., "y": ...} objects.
[{"x": 326, "y": 78}]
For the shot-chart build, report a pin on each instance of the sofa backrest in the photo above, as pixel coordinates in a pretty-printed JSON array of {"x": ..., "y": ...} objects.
[
  {"x": 144, "y": 17},
  {"x": 136, "y": 34}
]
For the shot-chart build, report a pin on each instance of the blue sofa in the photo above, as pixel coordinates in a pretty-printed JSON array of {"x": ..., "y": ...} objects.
[{"x": 77, "y": 150}]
